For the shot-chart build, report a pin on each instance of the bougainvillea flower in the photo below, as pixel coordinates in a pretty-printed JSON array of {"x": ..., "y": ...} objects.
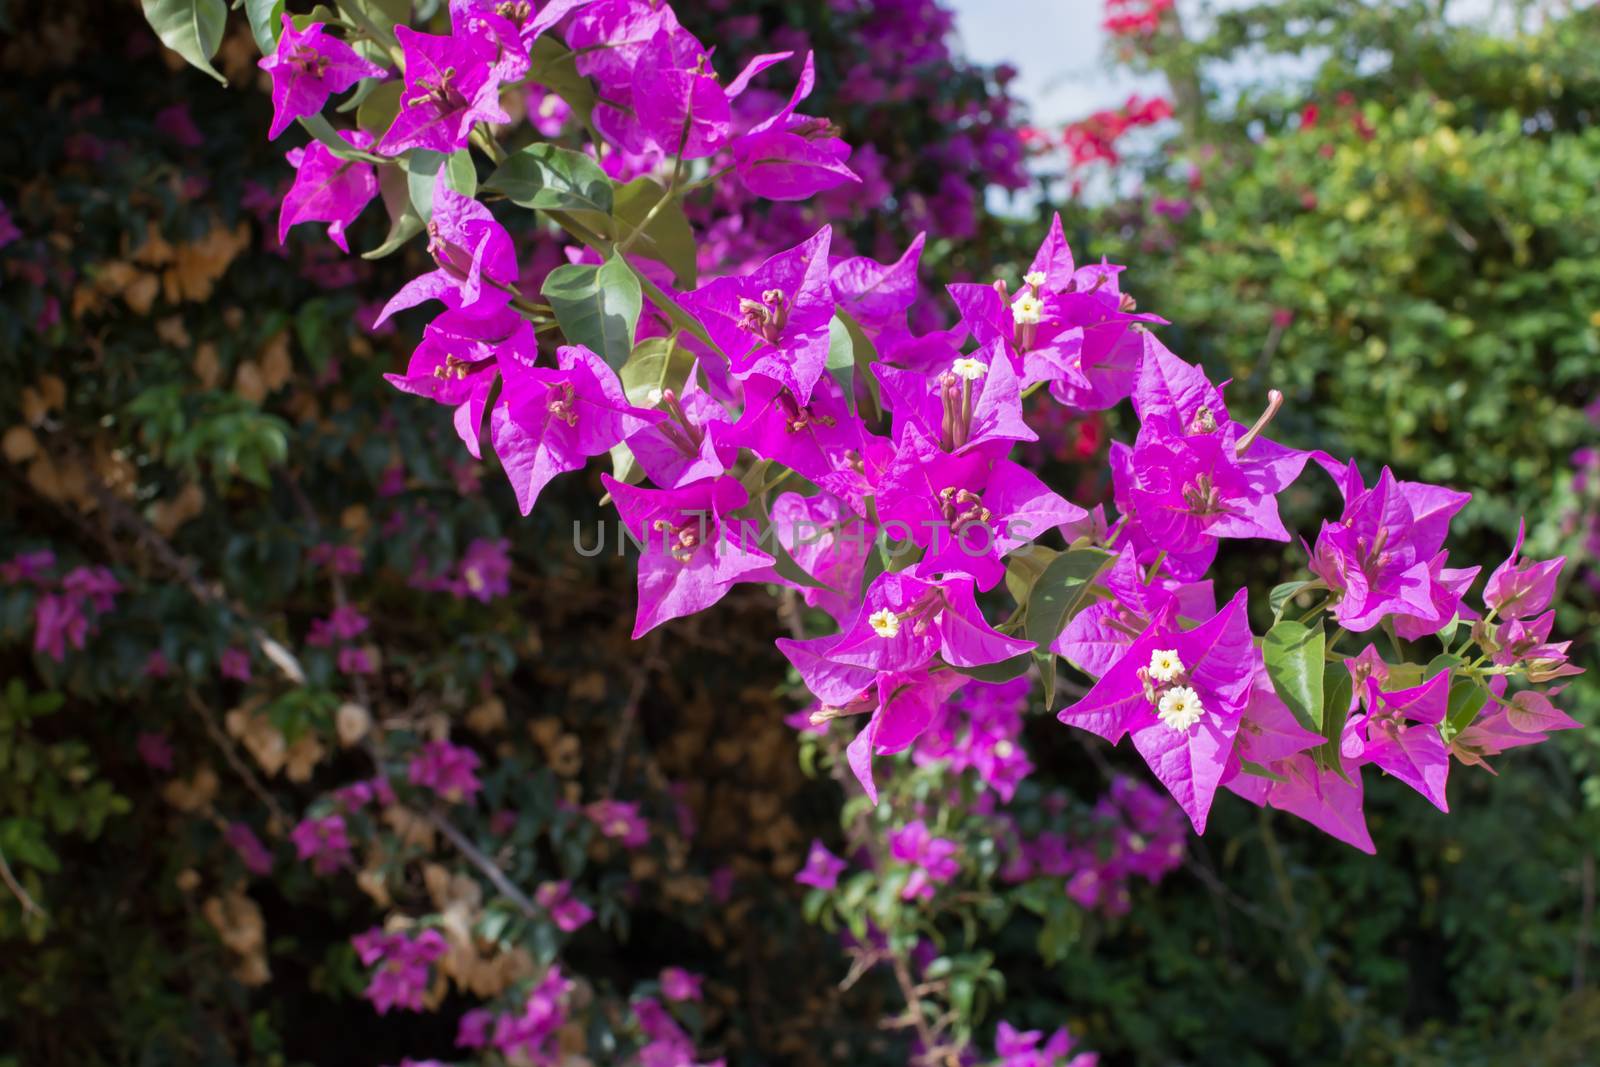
[
  {"x": 874, "y": 293},
  {"x": 829, "y": 542},
  {"x": 620, "y": 821},
  {"x": 1181, "y": 694},
  {"x": 789, "y": 156},
  {"x": 307, "y": 67},
  {"x": 449, "y": 770},
  {"x": 452, "y": 84},
  {"x": 822, "y": 869},
  {"x": 608, "y": 38},
  {"x": 1185, "y": 490},
  {"x": 809, "y": 437},
  {"x": 327, "y": 188},
  {"x": 548, "y": 421},
  {"x": 694, "y": 550},
  {"x": 459, "y": 359},
  {"x": 690, "y": 442},
  {"x": 1446, "y": 588},
  {"x": 903, "y": 623},
  {"x": 511, "y": 28},
  {"x": 932, "y": 859},
  {"x": 677, "y": 99},
  {"x": 58, "y": 620},
  {"x": 1528, "y": 719},
  {"x": 1380, "y": 557},
  {"x": 774, "y": 321},
  {"x": 476, "y": 261},
  {"x": 1096, "y": 637},
  {"x": 1518, "y": 589},
  {"x": 1014, "y": 1048},
  {"x": 1397, "y": 733},
  {"x": 903, "y": 704},
  {"x": 1329, "y": 800},
  {"x": 1269, "y": 731},
  {"x": 976, "y": 400},
  {"x": 1527, "y": 642},
  {"x": 968, "y": 511},
  {"x": 566, "y": 911}
]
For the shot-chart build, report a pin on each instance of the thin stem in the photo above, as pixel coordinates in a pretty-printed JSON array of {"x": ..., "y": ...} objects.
[
  {"x": 29, "y": 907},
  {"x": 485, "y": 865},
  {"x": 229, "y": 753}
]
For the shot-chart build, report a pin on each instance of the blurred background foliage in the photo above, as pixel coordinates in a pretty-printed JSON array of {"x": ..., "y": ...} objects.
[{"x": 1400, "y": 234}]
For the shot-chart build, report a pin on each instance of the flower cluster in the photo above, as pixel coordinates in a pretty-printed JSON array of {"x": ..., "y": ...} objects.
[
  {"x": 449, "y": 770},
  {"x": 401, "y": 965},
  {"x": 529, "y": 1033},
  {"x": 1134, "y": 18},
  {"x": 791, "y": 421},
  {"x": 1133, "y": 831},
  {"x": 1094, "y": 139},
  {"x": 67, "y": 608}
]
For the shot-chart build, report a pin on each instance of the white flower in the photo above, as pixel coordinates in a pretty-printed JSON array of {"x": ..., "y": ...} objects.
[
  {"x": 884, "y": 623},
  {"x": 1027, "y": 310},
  {"x": 1035, "y": 278},
  {"x": 1180, "y": 707},
  {"x": 1165, "y": 665},
  {"x": 969, "y": 368},
  {"x": 653, "y": 397}
]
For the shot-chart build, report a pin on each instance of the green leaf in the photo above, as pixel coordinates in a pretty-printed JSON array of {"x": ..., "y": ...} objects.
[
  {"x": 865, "y": 355},
  {"x": 322, "y": 130},
  {"x": 1280, "y": 596},
  {"x": 1060, "y": 591},
  {"x": 266, "y": 22},
  {"x": 657, "y": 364},
  {"x": 1024, "y": 569},
  {"x": 1058, "y": 594},
  {"x": 842, "y": 359},
  {"x": 1004, "y": 671},
  {"x": 1294, "y": 655},
  {"x": 1336, "y": 690},
  {"x": 547, "y": 177},
  {"x": 191, "y": 28},
  {"x": 624, "y": 468},
  {"x": 668, "y": 238},
  {"x": 1246, "y": 767},
  {"x": 404, "y": 222},
  {"x": 675, "y": 313},
  {"x": 555, "y": 67},
  {"x": 377, "y": 112},
  {"x": 597, "y": 307},
  {"x": 462, "y": 172},
  {"x": 422, "y": 170},
  {"x": 1467, "y": 698}
]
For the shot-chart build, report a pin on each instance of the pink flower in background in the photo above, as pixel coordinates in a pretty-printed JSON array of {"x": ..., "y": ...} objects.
[
  {"x": 932, "y": 859},
  {"x": 236, "y": 664},
  {"x": 8, "y": 226},
  {"x": 57, "y": 622},
  {"x": 323, "y": 842},
  {"x": 177, "y": 125},
  {"x": 566, "y": 911},
  {"x": 822, "y": 868},
  {"x": 449, "y": 770},
  {"x": 619, "y": 820},
  {"x": 155, "y": 750},
  {"x": 484, "y": 571},
  {"x": 401, "y": 966},
  {"x": 680, "y": 985},
  {"x": 257, "y": 858}
]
